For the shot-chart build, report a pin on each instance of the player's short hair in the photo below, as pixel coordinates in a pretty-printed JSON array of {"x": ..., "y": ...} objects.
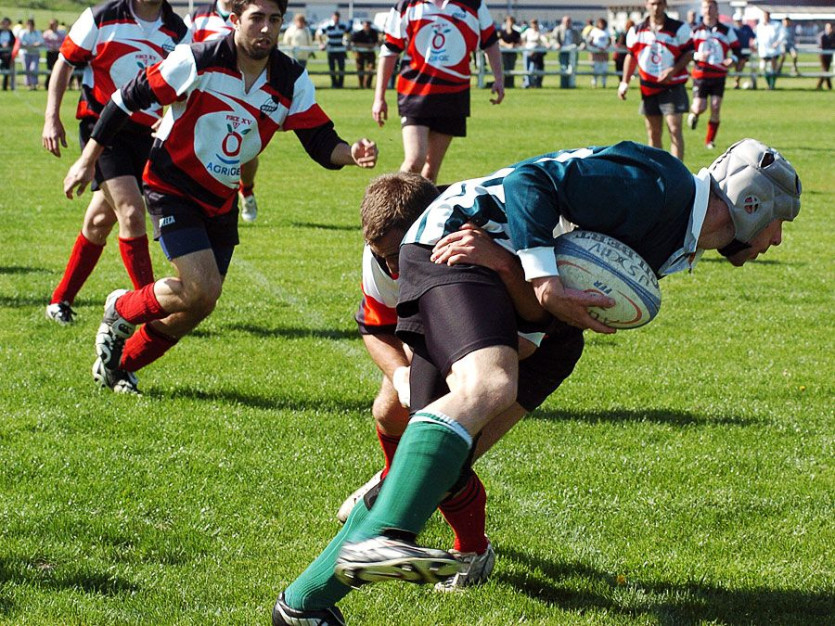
[
  {"x": 393, "y": 202},
  {"x": 239, "y": 6}
]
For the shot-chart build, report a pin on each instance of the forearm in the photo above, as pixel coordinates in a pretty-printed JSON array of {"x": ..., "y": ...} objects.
[
  {"x": 521, "y": 293},
  {"x": 629, "y": 65},
  {"x": 341, "y": 155},
  {"x": 385, "y": 69},
  {"x": 494, "y": 55},
  {"x": 58, "y": 82},
  {"x": 387, "y": 352}
]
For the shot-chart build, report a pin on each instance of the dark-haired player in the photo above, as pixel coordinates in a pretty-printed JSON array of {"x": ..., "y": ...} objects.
[{"x": 212, "y": 21}]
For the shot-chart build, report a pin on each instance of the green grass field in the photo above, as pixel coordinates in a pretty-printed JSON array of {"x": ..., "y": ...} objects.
[{"x": 683, "y": 475}]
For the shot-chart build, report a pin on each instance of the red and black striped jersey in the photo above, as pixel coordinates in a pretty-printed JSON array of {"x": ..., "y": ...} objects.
[
  {"x": 712, "y": 45},
  {"x": 207, "y": 23},
  {"x": 438, "y": 42},
  {"x": 115, "y": 45},
  {"x": 659, "y": 51},
  {"x": 214, "y": 124}
]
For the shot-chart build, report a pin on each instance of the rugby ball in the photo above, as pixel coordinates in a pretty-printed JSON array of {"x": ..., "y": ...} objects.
[{"x": 592, "y": 262}]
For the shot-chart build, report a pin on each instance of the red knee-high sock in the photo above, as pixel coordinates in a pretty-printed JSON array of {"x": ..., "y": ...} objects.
[
  {"x": 145, "y": 347},
  {"x": 140, "y": 306},
  {"x": 712, "y": 127},
  {"x": 137, "y": 259},
  {"x": 83, "y": 258},
  {"x": 389, "y": 444},
  {"x": 466, "y": 513}
]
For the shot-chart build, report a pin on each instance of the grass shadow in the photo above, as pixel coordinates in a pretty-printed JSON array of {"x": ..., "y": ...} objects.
[
  {"x": 21, "y": 572},
  {"x": 271, "y": 403},
  {"x": 286, "y": 333},
  {"x": 656, "y": 416},
  {"x": 319, "y": 226},
  {"x": 17, "y": 269},
  {"x": 670, "y": 604}
]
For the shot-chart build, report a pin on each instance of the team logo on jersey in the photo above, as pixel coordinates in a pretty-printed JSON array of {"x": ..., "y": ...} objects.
[
  {"x": 751, "y": 204},
  {"x": 231, "y": 144},
  {"x": 439, "y": 38},
  {"x": 269, "y": 107}
]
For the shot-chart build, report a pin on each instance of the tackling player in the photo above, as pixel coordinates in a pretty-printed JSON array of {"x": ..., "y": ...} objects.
[
  {"x": 433, "y": 89},
  {"x": 211, "y": 21},
  {"x": 391, "y": 204},
  {"x": 238, "y": 91},
  {"x": 461, "y": 324},
  {"x": 660, "y": 47},
  {"x": 716, "y": 50},
  {"x": 112, "y": 38}
]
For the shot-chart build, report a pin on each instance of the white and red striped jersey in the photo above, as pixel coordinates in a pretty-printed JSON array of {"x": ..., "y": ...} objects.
[
  {"x": 377, "y": 313},
  {"x": 116, "y": 45},
  {"x": 659, "y": 51},
  {"x": 207, "y": 23},
  {"x": 438, "y": 41},
  {"x": 213, "y": 124},
  {"x": 712, "y": 45}
]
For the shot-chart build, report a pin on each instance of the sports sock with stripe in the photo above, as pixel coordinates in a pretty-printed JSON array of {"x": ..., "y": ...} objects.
[{"x": 429, "y": 459}]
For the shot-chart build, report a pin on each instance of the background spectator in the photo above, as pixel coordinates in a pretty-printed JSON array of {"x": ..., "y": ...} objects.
[
  {"x": 567, "y": 41},
  {"x": 826, "y": 41},
  {"x": 769, "y": 37},
  {"x": 598, "y": 42},
  {"x": 7, "y": 42},
  {"x": 365, "y": 42},
  {"x": 53, "y": 37},
  {"x": 332, "y": 39},
  {"x": 744, "y": 35},
  {"x": 789, "y": 45},
  {"x": 31, "y": 40},
  {"x": 534, "y": 59},
  {"x": 509, "y": 39},
  {"x": 298, "y": 36}
]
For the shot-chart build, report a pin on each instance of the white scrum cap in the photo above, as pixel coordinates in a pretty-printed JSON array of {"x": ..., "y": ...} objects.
[{"x": 758, "y": 184}]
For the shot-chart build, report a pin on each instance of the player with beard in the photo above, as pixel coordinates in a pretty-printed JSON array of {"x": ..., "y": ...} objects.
[
  {"x": 227, "y": 99},
  {"x": 212, "y": 21},
  {"x": 111, "y": 39}
]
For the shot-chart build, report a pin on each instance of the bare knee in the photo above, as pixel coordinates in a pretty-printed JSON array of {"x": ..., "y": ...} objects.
[
  {"x": 390, "y": 417},
  {"x": 199, "y": 300}
]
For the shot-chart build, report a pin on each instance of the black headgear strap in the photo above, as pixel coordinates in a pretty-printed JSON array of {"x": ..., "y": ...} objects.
[{"x": 732, "y": 248}]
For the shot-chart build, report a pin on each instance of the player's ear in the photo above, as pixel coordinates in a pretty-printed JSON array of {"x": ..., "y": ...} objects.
[{"x": 235, "y": 19}]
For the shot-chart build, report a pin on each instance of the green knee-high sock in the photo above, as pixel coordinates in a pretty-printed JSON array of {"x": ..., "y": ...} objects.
[
  {"x": 428, "y": 461},
  {"x": 317, "y": 587}
]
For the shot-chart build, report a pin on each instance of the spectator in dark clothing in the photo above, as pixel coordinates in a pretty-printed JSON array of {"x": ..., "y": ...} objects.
[{"x": 365, "y": 43}]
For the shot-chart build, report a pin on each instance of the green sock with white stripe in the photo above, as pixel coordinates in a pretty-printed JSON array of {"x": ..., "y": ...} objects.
[{"x": 428, "y": 461}]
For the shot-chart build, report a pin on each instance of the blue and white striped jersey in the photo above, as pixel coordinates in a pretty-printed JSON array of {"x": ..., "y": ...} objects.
[{"x": 639, "y": 195}]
